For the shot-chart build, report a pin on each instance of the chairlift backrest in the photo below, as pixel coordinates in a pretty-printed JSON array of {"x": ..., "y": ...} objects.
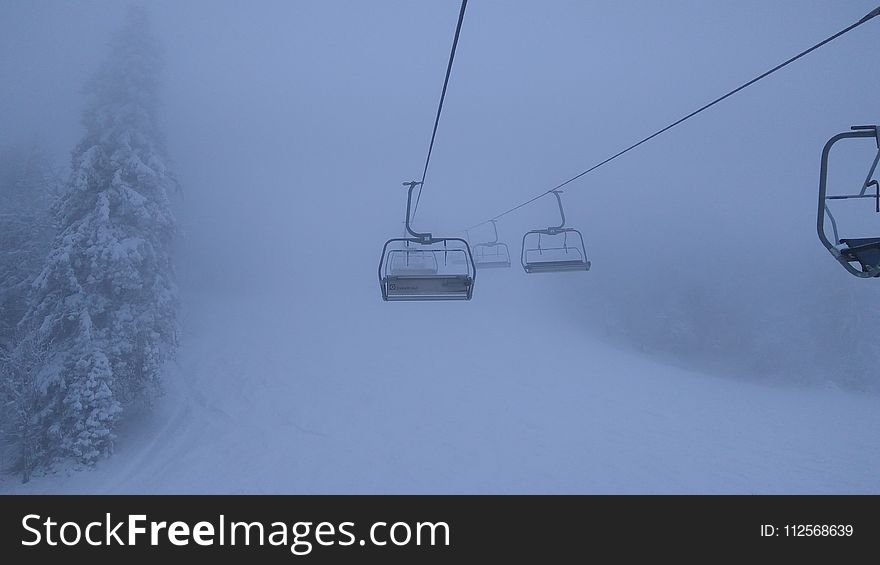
[{"x": 412, "y": 262}]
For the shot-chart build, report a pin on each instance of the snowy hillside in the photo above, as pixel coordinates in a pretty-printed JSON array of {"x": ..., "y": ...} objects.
[{"x": 408, "y": 398}]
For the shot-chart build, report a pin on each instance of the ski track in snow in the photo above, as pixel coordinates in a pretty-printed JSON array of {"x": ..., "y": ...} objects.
[{"x": 276, "y": 394}]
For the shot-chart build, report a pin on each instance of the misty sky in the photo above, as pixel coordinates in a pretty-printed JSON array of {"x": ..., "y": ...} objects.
[{"x": 292, "y": 124}]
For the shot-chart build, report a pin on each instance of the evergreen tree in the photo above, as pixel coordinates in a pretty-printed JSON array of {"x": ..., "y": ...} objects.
[
  {"x": 21, "y": 400},
  {"x": 29, "y": 184},
  {"x": 106, "y": 298}
]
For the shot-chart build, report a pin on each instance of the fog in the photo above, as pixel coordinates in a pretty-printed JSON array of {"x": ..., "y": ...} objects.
[{"x": 291, "y": 126}]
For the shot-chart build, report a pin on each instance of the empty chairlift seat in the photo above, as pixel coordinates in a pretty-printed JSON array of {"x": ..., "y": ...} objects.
[
  {"x": 555, "y": 249},
  {"x": 860, "y": 256},
  {"x": 452, "y": 279},
  {"x": 492, "y": 254},
  {"x": 424, "y": 267},
  {"x": 554, "y": 256}
]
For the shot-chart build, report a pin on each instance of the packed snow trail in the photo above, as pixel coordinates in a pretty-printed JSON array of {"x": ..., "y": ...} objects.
[{"x": 275, "y": 393}]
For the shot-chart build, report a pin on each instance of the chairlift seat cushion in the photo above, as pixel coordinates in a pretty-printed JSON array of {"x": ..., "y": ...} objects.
[
  {"x": 556, "y": 266},
  {"x": 491, "y": 263},
  {"x": 865, "y": 251}
]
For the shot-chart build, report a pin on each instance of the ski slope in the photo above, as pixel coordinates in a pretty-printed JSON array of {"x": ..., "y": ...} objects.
[{"x": 319, "y": 391}]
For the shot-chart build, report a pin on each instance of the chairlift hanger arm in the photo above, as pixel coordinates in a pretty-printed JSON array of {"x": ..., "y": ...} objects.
[
  {"x": 420, "y": 237},
  {"x": 561, "y": 226}
]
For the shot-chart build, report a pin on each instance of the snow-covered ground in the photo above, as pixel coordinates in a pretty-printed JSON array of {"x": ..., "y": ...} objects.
[{"x": 329, "y": 390}]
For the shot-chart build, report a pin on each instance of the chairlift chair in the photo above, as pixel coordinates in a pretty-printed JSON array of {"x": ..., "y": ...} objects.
[
  {"x": 424, "y": 267},
  {"x": 492, "y": 254},
  {"x": 863, "y": 251},
  {"x": 556, "y": 257}
]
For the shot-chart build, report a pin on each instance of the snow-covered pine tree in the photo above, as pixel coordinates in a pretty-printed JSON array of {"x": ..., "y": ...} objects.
[
  {"x": 21, "y": 402},
  {"x": 29, "y": 184},
  {"x": 106, "y": 299}
]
